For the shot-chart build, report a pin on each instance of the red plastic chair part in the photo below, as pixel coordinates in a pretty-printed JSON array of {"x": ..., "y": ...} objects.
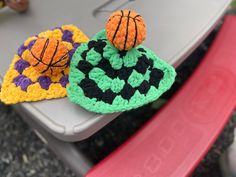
[{"x": 174, "y": 141}]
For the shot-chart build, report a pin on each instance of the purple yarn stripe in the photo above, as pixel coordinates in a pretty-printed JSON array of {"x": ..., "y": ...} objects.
[
  {"x": 20, "y": 65},
  {"x": 45, "y": 82},
  {"x": 75, "y": 45},
  {"x": 23, "y": 82},
  {"x": 64, "y": 81},
  {"x": 67, "y": 36},
  {"x": 30, "y": 45},
  {"x": 71, "y": 52},
  {"x": 21, "y": 49}
]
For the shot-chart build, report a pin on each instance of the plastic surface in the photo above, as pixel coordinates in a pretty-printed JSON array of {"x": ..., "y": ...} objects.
[
  {"x": 174, "y": 141},
  {"x": 173, "y": 33}
]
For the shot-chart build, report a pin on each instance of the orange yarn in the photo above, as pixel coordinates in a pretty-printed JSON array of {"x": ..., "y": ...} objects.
[
  {"x": 48, "y": 56},
  {"x": 125, "y": 29}
]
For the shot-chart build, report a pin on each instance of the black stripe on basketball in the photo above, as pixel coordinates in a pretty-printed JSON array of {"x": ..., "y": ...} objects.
[
  {"x": 51, "y": 71},
  {"x": 127, "y": 31},
  {"x": 118, "y": 26},
  {"x": 44, "y": 49},
  {"x": 62, "y": 58},
  {"x": 37, "y": 59},
  {"x": 124, "y": 16},
  {"x": 136, "y": 33},
  {"x": 58, "y": 66},
  {"x": 137, "y": 16},
  {"x": 55, "y": 51}
]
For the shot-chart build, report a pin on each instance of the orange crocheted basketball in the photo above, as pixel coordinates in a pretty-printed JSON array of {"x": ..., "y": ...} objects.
[
  {"x": 48, "y": 56},
  {"x": 125, "y": 29}
]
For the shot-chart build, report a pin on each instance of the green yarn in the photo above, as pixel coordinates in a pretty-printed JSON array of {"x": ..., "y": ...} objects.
[
  {"x": 147, "y": 75},
  {"x": 117, "y": 102},
  {"x": 82, "y": 48},
  {"x": 117, "y": 85},
  {"x": 116, "y": 62},
  {"x": 135, "y": 79},
  {"x": 131, "y": 58},
  {"x": 104, "y": 81},
  {"x": 93, "y": 57},
  {"x": 109, "y": 50},
  {"x": 97, "y": 74}
]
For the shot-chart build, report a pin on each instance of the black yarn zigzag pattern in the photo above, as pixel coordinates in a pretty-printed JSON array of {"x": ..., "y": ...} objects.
[{"x": 91, "y": 88}]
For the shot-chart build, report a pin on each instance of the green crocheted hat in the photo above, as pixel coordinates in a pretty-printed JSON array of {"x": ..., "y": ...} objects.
[{"x": 105, "y": 79}]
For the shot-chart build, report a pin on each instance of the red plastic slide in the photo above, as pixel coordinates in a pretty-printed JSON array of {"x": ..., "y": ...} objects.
[{"x": 175, "y": 140}]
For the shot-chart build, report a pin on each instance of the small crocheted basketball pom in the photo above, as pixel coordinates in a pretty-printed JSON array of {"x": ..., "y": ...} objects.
[
  {"x": 48, "y": 56},
  {"x": 125, "y": 29}
]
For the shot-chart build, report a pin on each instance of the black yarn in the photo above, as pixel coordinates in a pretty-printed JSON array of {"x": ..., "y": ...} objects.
[
  {"x": 84, "y": 66},
  {"x": 107, "y": 68},
  {"x": 157, "y": 74},
  {"x": 122, "y": 53},
  {"x": 127, "y": 92},
  {"x": 108, "y": 96},
  {"x": 155, "y": 77},
  {"x": 124, "y": 73},
  {"x": 84, "y": 54},
  {"x": 99, "y": 46},
  {"x": 91, "y": 44},
  {"x": 90, "y": 88},
  {"x": 141, "y": 50},
  {"x": 144, "y": 87},
  {"x": 142, "y": 64}
]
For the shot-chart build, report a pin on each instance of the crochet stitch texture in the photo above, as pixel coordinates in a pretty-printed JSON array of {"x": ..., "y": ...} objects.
[
  {"x": 23, "y": 83},
  {"x": 104, "y": 79}
]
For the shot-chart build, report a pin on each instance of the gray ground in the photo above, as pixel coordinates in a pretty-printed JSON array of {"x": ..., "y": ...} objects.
[{"x": 22, "y": 154}]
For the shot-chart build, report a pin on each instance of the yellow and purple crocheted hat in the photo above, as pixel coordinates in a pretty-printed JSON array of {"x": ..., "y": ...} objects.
[
  {"x": 40, "y": 68},
  {"x": 112, "y": 72}
]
